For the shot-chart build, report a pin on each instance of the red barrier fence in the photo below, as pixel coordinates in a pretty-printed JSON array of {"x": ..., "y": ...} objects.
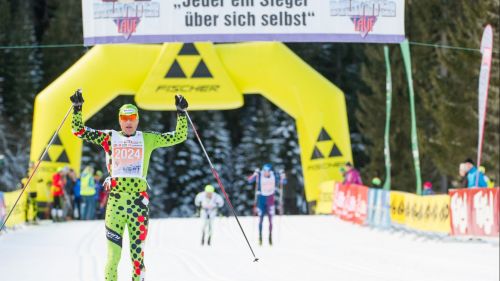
[
  {"x": 351, "y": 202},
  {"x": 475, "y": 211}
]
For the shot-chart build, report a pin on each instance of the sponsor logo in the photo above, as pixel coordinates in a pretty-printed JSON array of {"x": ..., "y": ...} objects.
[
  {"x": 326, "y": 144},
  {"x": 363, "y": 13},
  {"x": 56, "y": 152},
  {"x": 188, "y": 64},
  {"x": 113, "y": 237},
  {"x": 126, "y": 14}
]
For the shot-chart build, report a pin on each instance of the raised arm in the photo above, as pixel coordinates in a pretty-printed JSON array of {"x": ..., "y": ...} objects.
[
  {"x": 171, "y": 138},
  {"x": 181, "y": 129},
  {"x": 77, "y": 126},
  {"x": 253, "y": 177}
]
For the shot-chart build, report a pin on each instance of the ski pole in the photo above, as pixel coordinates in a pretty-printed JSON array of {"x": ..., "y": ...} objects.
[
  {"x": 216, "y": 175},
  {"x": 36, "y": 167}
]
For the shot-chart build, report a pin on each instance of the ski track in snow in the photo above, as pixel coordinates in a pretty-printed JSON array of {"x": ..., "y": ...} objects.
[{"x": 316, "y": 248}]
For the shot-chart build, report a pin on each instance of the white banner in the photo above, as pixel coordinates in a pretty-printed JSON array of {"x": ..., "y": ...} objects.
[
  {"x": 157, "y": 21},
  {"x": 484, "y": 84}
]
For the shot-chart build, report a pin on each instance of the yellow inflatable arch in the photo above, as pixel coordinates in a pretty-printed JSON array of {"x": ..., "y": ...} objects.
[{"x": 211, "y": 77}]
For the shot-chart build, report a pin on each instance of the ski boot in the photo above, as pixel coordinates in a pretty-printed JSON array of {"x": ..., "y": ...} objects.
[
  {"x": 260, "y": 240},
  {"x": 208, "y": 240},
  {"x": 270, "y": 240},
  {"x": 203, "y": 239}
]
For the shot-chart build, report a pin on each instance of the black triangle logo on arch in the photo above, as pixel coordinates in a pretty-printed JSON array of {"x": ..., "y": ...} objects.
[
  {"x": 325, "y": 140},
  {"x": 179, "y": 67},
  {"x": 56, "y": 152}
]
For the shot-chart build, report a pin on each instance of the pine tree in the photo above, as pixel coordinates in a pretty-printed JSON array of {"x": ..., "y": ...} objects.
[
  {"x": 61, "y": 23},
  {"x": 20, "y": 76}
]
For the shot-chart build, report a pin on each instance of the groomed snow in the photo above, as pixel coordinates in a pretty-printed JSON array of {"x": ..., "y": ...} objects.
[{"x": 316, "y": 248}]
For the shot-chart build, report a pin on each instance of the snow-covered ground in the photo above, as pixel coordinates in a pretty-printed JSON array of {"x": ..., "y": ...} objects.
[{"x": 306, "y": 248}]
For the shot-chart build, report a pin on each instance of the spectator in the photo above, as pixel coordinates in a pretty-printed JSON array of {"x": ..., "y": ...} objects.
[
  {"x": 351, "y": 175},
  {"x": 87, "y": 191},
  {"x": 376, "y": 182},
  {"x": 473, "y": 175},
  {"x": 77, "y": 200},
  {"x": 57, "y": 190},
  {"x": 69, "y": 206},
  {"x": 428, "y": 188},
  {"x": 489, "y": 182},
  {"x": 97, "y": 197},
  {"x": 31, "y": 204},
  {"x": 31, "y": 217}
]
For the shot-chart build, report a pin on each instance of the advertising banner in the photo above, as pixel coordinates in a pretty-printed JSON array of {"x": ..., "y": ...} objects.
[
  {"x": 325, "y": 200},
  {"x": 3, "y": 211},
  {"x": 436, "y": 214},
  {"x": 156, "y": 21},
  {"x": 484, "y": 84},
  {"x": 339, "y": 199},
  {"x": 459, "y": 211},
  {"x": 382, "y": 215},
  {"x": 428, "y": 213},
  {"x": 397, "y": 203},
  {"x": 18, "y": 216},
  {"x": 361, "y": 203},
  {"x": 484, "y": 211}
]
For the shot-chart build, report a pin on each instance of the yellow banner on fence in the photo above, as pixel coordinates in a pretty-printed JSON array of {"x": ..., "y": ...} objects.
[
  {"x": 398, "y": 207},
  {"x": 325, "y": 199},
  {"x": 425, "y": 213},
  {"x": 18, "y": 216},
  {"x": 430, "y": 213}
]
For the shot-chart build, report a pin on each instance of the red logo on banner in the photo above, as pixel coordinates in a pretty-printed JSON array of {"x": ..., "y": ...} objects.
[
  {"x": 127, "y": 26},
  {"x": 364, "y": 24}
]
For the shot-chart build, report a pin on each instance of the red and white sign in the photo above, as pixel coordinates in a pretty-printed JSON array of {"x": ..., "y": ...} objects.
[
  {"x": 459, "y": 212},
  {"x": 484, "y": 212},
  {"x": 475, "y": 211},
  {"x": 351, "y": 202}
]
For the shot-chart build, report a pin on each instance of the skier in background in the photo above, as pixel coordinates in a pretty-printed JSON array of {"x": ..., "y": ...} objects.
[
  {"x": 267, "y": 182},
  {"x": 209, "y": 202}
]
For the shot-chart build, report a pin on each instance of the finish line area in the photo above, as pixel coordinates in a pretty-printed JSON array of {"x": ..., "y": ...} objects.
[{"x": 305, "y": 248}]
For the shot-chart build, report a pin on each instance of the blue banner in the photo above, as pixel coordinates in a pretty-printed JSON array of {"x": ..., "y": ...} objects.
[
  {"x": 378, "y": 208},
  {"x": 3, "y": 210}
]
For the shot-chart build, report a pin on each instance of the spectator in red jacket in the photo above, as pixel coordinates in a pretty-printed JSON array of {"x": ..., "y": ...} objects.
[{"x": 57, "y": 190}]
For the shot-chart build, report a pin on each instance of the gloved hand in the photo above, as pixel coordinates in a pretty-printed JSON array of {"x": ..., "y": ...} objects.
[
  {"x": 256, "y": 171},
  {"x": 181, "y": 103},
  {"x": 77, "y": 100}
]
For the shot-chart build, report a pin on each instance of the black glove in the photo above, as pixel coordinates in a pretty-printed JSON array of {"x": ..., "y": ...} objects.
[
  {"x": 181, "y": 103},
  {"x": 77, "y": 100}
]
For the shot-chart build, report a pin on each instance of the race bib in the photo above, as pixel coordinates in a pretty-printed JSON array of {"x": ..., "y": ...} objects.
[
  {"x": 267, "y": 185},
  {"x": 128, "y": 155}
]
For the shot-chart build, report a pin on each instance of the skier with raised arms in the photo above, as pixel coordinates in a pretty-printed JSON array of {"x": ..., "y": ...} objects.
[{"x": 127, "y": 158}]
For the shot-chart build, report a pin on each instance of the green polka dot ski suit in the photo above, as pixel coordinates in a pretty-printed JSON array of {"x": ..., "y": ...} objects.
[{"x": 128, "y": 199}]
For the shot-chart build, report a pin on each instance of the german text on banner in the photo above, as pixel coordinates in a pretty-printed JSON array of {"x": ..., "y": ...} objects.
[{"x": 158, "y": 21}]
